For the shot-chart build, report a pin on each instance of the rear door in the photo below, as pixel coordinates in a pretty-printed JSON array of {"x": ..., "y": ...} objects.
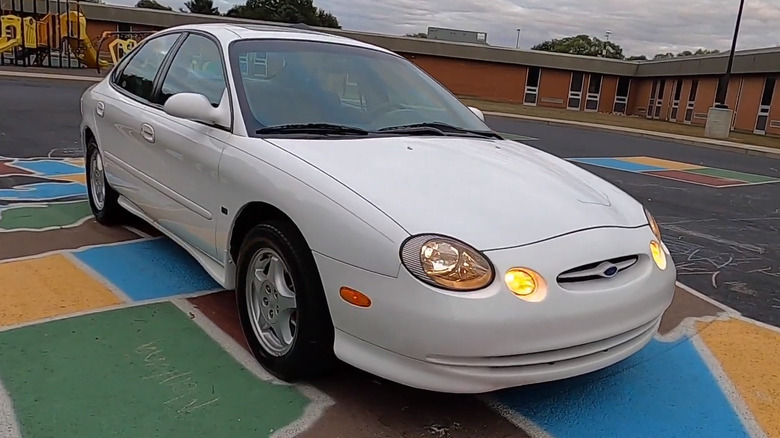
[{"x": 126, "y": 153}]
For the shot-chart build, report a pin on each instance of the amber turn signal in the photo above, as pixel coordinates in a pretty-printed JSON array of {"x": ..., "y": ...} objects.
[{"x": 354, "y": 297}]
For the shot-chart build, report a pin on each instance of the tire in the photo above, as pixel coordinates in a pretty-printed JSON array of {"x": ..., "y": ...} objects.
[
  {"x": 108, "y": 211},
  {"x": 309, "y": 353}
]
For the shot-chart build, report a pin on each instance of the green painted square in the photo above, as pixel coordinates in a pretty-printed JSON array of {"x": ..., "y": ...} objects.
[
  {"x": 145, "y": 371},
  {"x": 732, "y": 174}
]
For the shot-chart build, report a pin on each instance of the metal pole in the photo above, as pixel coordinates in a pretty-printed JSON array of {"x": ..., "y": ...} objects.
[
  {"x": 517, "y": 44},
  {"x": 724, "y": 86}
]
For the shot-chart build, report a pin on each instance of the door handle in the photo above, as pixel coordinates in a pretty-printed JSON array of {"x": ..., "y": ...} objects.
[{"x": 147, "y": 132}]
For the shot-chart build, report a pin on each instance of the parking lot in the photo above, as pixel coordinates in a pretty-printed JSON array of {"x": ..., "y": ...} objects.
[{"x": 118, "y": 332}]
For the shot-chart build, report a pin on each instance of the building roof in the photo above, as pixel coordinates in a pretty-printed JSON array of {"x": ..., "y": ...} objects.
[{"x": 755, "y": 61}]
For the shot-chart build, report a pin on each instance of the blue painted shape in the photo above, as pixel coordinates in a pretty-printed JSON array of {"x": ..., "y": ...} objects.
[
  {"x": 50, "y": 167},
  {"x": 664, "y": 390},
  {"x": 617, "y": 164},
  {"x": 43, "y": 191},
  {"x": 148, "y": 269}
]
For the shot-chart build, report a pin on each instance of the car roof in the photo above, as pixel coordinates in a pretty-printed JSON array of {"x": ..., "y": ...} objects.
[{"x": 237, "y": 31}]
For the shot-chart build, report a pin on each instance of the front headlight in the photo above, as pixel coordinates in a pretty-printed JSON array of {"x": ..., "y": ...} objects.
[
  {"x": 447, "y": 263},
  {"x": 653, "y": 225}
]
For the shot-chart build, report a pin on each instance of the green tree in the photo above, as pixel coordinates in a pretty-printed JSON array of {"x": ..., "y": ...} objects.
[
  {"x": 285, "y": 11},
  {"x": 582, "y": 45},
  {"x": 637, "y": 58},
  {"x": 204, "y": 7},
  {"x": 417, "y": 35},
  {"x": 152, "y": 4}
]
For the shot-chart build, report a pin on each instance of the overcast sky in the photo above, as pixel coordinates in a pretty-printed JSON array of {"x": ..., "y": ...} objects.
[{"x": 638, "y": 26}]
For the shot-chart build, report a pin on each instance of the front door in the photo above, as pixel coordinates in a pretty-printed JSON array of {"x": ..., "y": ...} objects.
[{"x": 185, "y": 153}]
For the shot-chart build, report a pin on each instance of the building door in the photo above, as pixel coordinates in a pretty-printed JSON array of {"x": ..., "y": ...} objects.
[
  {"x": 651, "y": 101},
  {"x": 532, "y": 86},
  {"x": 594, "y": 92},
  {"x": 675, "y": 101},
  {"x": 763, "y": 108},
  {"x": 691, "y": 102},
  {"x": 659, "y": 99},
  {"x": 575, "y": 91},
  {"x": 621, "y": 96}
]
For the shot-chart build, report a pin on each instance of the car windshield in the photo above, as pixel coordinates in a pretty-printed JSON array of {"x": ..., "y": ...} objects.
[{"x": 308, "y": 84}]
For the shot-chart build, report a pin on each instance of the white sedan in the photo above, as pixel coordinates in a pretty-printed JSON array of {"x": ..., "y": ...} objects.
[{"x": 362, "y": 213}]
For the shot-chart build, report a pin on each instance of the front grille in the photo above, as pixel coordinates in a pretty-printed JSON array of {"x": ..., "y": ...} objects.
[{"x": 598, "y": 270}]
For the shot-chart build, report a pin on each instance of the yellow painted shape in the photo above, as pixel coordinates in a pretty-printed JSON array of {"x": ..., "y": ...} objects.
[
  {"x": 748, "y": 354},
  {"x": 76, "y": 177},
  {"x": 659, "y": 162},
  {"x": 76, "y": 161},
  {"x": 47, "y": 287}
]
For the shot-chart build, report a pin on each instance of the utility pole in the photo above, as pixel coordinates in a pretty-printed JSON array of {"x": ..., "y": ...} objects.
[
  {"x": 719, "y": 117},
  {"x": 517, "y": 44},
  {"x": 723, "y": 86}
]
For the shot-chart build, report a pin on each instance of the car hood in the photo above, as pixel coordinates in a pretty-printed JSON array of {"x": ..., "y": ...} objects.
[{"x": 488, "y": 193}]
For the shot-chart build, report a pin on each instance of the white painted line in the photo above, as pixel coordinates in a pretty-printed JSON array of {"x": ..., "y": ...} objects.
[
  {"x": 686, "y": 329},
  {"x": 9, "y": 426},
  {"x": 34, "y": 75},
  {"x": 73, "y": 250},
  {"x": 116, "y": 290},
  {"x": 319, "y": 400},
  {"x": 729, "y": 389}
]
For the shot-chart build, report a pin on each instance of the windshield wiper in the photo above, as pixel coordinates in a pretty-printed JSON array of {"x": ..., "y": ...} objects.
[
  {"x": 312, "y": 128},
  {"x": 438, "y": 128}
]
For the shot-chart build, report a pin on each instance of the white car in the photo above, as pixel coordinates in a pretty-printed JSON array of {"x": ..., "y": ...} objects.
[{"x": 362, "y": 213}]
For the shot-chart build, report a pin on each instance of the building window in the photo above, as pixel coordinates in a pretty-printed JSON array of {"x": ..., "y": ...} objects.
[
  {"x": 691, "y": 101},
  {"x": 621, "y": 95},
  {"x": 532, "y": 85},
  {"x": 676, "y": 101},
  {"x": 575, "y": 90},
  {"x": 594, "y": 91},
  {"x": 765, "y": 105}
]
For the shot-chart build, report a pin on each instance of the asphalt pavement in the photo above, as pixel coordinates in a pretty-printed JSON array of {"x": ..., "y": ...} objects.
[{"x": 725, "y": 241}]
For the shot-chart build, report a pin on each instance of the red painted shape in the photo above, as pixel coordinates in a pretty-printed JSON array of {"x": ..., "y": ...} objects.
[
  {"x": 695, "y": 178},
  {"x": 5, "y": 169}
]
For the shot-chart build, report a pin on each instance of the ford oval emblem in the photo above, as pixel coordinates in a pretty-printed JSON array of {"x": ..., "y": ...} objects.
[{"x": 611, "y": 271}]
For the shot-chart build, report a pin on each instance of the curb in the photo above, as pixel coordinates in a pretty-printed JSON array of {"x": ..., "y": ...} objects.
[
  {"x": 33, "y": 75},
  {"x": 760, "y": 151}
]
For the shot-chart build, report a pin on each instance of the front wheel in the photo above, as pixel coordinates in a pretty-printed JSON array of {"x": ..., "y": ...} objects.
[
  {"x": 103, "y": 200},
  {"x": 282, "y": 305}
]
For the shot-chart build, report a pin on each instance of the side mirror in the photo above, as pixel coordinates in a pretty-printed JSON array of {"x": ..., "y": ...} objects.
[
  {"x": 478, "y": 113},
  {"x": 196, "y": 107}
]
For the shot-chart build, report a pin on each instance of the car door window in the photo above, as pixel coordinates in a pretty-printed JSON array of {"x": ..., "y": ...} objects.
[
  {"x": 196, "y": 68},
  {"x": 137, "y": 78}
]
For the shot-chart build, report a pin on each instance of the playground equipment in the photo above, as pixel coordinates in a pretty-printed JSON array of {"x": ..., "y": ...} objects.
[{"x": 26, "y": 35}]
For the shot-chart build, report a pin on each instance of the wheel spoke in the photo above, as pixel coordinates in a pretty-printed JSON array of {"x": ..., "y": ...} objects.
[
  {"x": 285, "y": 303},
  {"x": 260, "y": 266},
  {"x": 276, "y": 272},
  {"x": 282, "y": 328}
]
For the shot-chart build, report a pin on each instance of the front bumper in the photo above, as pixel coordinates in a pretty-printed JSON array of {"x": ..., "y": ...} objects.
[{"x": 490, "y": 339}]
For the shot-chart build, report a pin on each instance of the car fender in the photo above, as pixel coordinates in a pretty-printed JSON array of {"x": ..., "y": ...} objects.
[{"x": 335, "y": 221}]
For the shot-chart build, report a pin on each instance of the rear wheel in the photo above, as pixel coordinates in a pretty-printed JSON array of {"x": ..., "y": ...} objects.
[
  {"x": 282, "y": 305},
  {"x": 103, "y": 200}
]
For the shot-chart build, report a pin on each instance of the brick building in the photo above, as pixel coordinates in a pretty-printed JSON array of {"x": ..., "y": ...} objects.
[{"x": 678, "y": 90}]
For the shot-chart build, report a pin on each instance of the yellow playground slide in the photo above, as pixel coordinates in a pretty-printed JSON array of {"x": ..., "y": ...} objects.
[
  {"x": 79, "y": 40},
  {"x": 7, "y": 24}
]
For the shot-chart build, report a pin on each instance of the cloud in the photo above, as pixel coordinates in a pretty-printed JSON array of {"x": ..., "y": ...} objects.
[{"x": 638, "y": 26}]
